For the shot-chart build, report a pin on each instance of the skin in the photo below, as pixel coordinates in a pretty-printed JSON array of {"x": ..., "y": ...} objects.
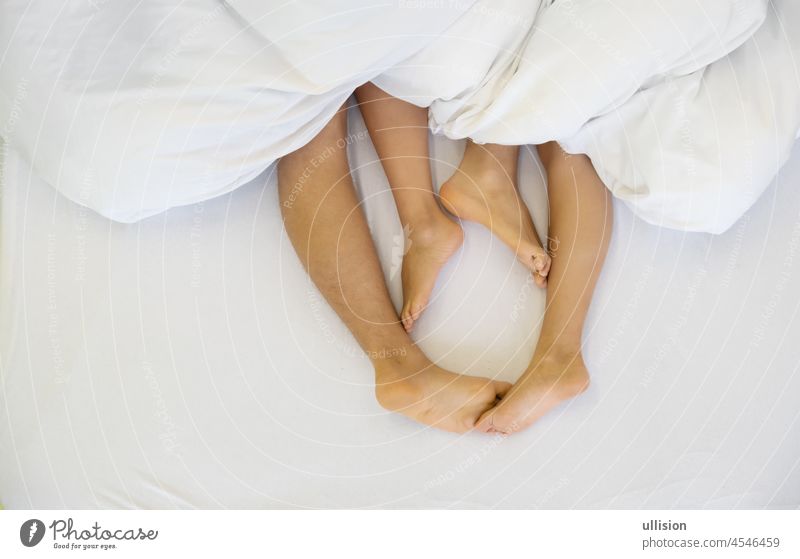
[
  {"x": 399, "y": 132},
  {"x": 484, "y": 190},
  {"x": 331, "y": 237},
  {"x": 580, "y": 223},
  {"x": 325, "y": 224}
]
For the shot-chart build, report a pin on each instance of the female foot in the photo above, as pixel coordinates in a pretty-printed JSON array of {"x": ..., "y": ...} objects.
[
  {"x": 428, "y": 246},
  {"x": 552, "y": 379},
  {"x": 484, "y": 191},
  {"x": 420, "y": 390}
]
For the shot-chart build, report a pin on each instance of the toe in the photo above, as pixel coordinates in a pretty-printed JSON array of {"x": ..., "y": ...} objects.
[
  {"x": 543, "y": 264},
  {"x": 485, "y": 423},
  {"x": 497, "y": 420},
  {"x": 535, "y": 259},
  {"x": 405, "y": 318},
  {"x": 508, "y": 423},
  {"x": 416, "y": 311},
  {"x": 541, "y": 268},
  {"x": 410, "y": 314}
]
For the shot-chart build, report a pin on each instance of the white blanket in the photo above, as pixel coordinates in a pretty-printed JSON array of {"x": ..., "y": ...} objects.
[
  {"x": 694, "y": 152},
  {"x": 133, "y": 109}
]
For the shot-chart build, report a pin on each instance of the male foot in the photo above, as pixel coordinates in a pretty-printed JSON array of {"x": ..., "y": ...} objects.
[
  {"x": 433, "y": 396},
  {"x": 552, "y": 379},
  {"x": 428, "y": 247},
  {"x": 488, "y": 195}
]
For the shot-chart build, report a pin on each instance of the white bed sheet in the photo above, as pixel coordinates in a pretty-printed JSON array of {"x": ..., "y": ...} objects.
[{"x": 186, "y": 361}]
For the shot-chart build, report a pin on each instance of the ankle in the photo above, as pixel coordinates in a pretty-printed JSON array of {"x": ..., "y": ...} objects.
[
  {"x": 498, "y": 165},
  {"x": 398, "y": 364},
  {"x": 428, "y": 227},
  {"x": 574, "y": 380},
  {"x": 561, "y": 346},
  {"x": 565, "y": 367},
  {"x": 490, "y": 178},
  {"x": 397, "y": 396},
  {"x": 398, "y": 381},
  {"x": 418, "y": 210},
  {"x": 559, "y": 358}
]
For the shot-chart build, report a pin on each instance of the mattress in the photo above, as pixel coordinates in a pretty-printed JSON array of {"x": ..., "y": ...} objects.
[{"x": 186, "y": 361}]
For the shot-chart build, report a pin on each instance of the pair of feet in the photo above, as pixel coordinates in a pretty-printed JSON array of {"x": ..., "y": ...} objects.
[
  {"x": 418, "y": 389},
  {"x": 431, "y": 395},
  {"x": 487, "y": 196}
]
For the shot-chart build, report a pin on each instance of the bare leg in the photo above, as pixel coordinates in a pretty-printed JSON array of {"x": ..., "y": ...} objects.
[
  {"x": 323, "y": 220},
  {"x": 484, "y": 189},
  {"x": 580, "y": 224},
  {"x": 399, "y": 131}
]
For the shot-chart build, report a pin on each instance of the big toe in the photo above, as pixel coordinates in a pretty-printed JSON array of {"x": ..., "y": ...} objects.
[
  {"x": 496, "y": 420},
  {"x": 405, "y": 318},
  {"x": 416, "y": 309},
  {"x": 534, "y": 258},
  {"x": 485, "y": 422},
  {"x": 410, "y": 314},
  {"x": 540, "y": 266},
  {"x": 541, "y": 263}
]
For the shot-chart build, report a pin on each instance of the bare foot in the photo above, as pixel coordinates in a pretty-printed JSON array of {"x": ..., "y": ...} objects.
[
  {"x": 429, "y": 246},
  {"x": 489, "y": 196},
  {"x": 550, "y": 380},
  {"x": 433, "y": 396}
]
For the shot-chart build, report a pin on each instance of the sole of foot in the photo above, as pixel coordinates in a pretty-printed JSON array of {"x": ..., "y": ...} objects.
[
  {"x": 438, "y": 398},
  {"x": 550, "y": 381},
  {"x": 428, "y": 248},
  {"x": 492, "y": 200}
]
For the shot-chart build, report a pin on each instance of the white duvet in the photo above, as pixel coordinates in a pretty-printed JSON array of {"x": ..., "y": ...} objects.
[{"x": 131, "y": 109}]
